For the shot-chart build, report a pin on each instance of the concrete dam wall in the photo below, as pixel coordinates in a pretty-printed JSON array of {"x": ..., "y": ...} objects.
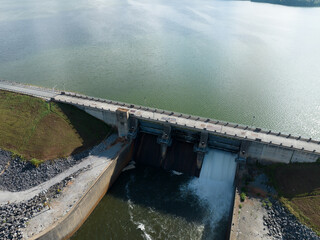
[
  {"x": 250, "y": 143},
  {"x": 253, "y": 144}
]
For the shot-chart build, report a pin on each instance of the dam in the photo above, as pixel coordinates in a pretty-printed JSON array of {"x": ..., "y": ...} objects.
[
  {"x": 171, "y": 128},
  {"x": 167, "y": 128},
  {"x": 206, "y": 148},
  {"x": 223, "y": 60}
]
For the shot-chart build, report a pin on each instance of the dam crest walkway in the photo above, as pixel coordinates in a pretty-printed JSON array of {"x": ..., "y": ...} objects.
[{"x": 215, "y": 127}]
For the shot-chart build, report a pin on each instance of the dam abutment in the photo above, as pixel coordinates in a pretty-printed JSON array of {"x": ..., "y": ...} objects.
[{"x": 72, "y": 221}]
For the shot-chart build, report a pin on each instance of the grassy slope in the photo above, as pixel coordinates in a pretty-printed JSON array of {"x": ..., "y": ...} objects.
[
  {"x": 32, "y": 128},
  {"x": 299, "y": 188}
]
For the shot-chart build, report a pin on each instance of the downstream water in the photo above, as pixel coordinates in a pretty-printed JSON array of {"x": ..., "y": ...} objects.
[
  {"x": 229, "y": 60},
  {"x": 148, "y": 203}
]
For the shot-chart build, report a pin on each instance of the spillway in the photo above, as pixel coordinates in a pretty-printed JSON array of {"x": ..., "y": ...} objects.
[
  {"x": 218, "y": 166},
  {"x": 179, "y": 157},
  {"x": 215, "y": 185}
]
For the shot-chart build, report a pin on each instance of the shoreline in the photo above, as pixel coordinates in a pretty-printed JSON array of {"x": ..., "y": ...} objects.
[{"x": 287, "y": 3}]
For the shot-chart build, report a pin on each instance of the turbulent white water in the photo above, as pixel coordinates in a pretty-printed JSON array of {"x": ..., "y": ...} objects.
[
  {"x": 148, "y": 203},
  {"x": 215, "y": 185},
  {"x": 153, "y": 210}
]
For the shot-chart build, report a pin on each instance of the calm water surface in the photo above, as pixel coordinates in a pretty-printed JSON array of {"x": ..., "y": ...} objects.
[{"x": 229, "y": 60}]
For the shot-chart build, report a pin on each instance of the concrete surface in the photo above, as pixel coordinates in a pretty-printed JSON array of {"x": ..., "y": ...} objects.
[
  {"x": 251, "y": 225},
  {"x": 197, "y": 125},
  {"x": 29, "y": 90}
]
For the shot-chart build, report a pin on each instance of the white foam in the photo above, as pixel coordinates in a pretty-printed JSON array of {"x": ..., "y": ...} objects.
[
  {"x": 130, "y": 166},
  {"x": 176, "y": 173},
  {"x": 214, "y": 187},
  {"x": 141, "y": 226}
]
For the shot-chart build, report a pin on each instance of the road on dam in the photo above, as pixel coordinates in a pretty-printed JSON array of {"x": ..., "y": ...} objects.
[{"x": 232, "y": 130}]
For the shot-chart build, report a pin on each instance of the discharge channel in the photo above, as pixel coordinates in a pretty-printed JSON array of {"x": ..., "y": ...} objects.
[{"x": 149, "y": 203}]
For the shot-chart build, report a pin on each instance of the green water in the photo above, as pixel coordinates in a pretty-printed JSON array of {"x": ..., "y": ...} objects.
[{"x": 229, "y": 60}]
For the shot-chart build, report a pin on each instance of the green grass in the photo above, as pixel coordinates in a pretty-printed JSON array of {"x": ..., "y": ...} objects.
[
  {"x": 298, "y": 187},
  {"x": 37, "y": 130},
  {"x": 266, "y": 202},
  {"x": 243, "y": 197},
  {"x": 36, "y": 162}
]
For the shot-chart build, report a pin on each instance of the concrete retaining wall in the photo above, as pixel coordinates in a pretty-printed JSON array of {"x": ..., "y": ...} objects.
[
  {"x": 304, "y": 157},
  {"x": 276, "y": 154},
  {"x": 70, "y": 223},
  {"x": 110, "y": 118},
  {"x": 106, "y": 116},
  {"x": 254, "y": 151},
  {"x": 234, "y": 209},
  {"x": 96, "y": 113}
]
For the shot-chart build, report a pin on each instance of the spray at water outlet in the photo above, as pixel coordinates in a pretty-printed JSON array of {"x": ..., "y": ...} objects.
[{"x": 214, "y": 187}]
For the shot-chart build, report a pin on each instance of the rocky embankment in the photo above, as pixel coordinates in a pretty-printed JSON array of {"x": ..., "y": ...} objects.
[
  {"x": 20, "y": 175},
  {"x": 283, "y": 225},
  {"x": 261, "y": 216},
  {"x": 14, "y": 216}
]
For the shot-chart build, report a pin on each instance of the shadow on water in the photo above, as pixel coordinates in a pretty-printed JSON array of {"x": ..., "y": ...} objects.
[{"x": 180, "y": 155}]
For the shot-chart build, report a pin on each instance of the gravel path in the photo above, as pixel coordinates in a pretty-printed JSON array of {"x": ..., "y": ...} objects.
[
  {"x": 18, "y": 178},
  {"x": 25, "y": 213},
  {"x": 251, "y": 225},
  {"x": 15, "y": 216}
]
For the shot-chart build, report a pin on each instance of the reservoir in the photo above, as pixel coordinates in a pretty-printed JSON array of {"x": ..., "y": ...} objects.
[{"x": 237, "y": 61}]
